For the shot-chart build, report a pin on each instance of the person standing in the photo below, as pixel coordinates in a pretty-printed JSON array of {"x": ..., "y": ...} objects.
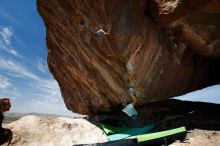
[{"x": 6, "y": 135}]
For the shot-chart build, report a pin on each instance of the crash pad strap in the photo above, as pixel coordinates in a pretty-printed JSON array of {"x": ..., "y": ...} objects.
[
  {"x": 152, "y": 136},
  {"x": 131, "y": 132},
  {"x": 124, "y": 142},
  {"x": 113, "y": 129}
]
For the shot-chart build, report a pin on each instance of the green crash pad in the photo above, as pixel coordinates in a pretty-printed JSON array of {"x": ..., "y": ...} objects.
[
  {"x": 131, "y": 132},
  {"x": 113, "y": 129},
  {"x": 157, "y": 135}
]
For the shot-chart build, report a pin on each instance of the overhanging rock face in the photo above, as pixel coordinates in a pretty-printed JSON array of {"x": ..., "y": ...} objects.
[
  {"x": 102, "y": 51},
  {"x": 196, "y": 23}
]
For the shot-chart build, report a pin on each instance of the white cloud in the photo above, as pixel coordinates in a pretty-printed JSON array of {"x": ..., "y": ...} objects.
[
  {"x": 42, "y": 66},
  {"x": 4, "y": 83},
  {"x": 6, "y": 33},
  {"x": 43, "y": 89},
  {"x": 47, "y": 97},
  {"x": 9, "y": 50},
  {"x": 47, "y": 91},
  {"x": 44, "y": 92},
  {"x": 5, "y": 41},
  {"x": 7, "y": 88},
  {"x": 18, "y": 69},
  {"x": 13, "y": 52}
]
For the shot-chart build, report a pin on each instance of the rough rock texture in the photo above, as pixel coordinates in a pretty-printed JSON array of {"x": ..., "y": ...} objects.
[
  {"x": 198, "y": 137},
  {"x": 196, "y": 23},
  {"x": 102, "y": 51},
  {"x": 48, "y": 131}
]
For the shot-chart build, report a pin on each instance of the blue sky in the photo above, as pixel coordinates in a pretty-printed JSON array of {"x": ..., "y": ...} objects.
[
  {"x": 24, "y": 74},
  {"x": 209, "y": 94}
]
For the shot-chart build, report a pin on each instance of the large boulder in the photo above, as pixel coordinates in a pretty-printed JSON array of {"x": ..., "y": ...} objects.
[
  {"x": 54, "y": 131},
  {"x": 102, "y": 51},
  {"x": 196, "y": 23}
]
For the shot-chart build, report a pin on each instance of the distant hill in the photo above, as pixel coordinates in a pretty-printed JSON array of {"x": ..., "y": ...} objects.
[{"x": 13, "y": 116}]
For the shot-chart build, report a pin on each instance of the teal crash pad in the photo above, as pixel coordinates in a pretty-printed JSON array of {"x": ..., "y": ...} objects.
[
  {"x": 131, "y": 132},
  {"x": 157, "y": 135},
  {"x": 113, "y": 129}
]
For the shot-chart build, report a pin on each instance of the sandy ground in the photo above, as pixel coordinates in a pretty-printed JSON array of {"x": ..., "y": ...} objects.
[{"x": 198, "y": 137}]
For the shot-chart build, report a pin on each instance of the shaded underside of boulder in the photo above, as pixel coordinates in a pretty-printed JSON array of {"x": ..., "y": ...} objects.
[{"x": 103, "y": 51}]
